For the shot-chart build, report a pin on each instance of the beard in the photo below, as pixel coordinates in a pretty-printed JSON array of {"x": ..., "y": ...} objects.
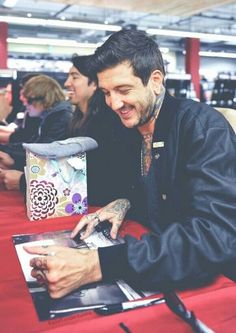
[
  {"x": 149, "y": 111},
  {"x": 153, "y": 106}
]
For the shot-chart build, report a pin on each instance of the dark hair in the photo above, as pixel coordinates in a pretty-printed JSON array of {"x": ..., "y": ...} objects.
[
  {"x": 133, "y": 46},
  {"x": 80, "y": 122},
  {"x": 82, "y": 63}
]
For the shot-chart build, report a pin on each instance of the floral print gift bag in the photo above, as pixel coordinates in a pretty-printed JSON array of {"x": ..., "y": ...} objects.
[{"x": 56, "y": 178}]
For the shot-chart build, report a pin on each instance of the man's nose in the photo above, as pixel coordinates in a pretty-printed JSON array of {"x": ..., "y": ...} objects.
[
  {"x": 67, "y": 83},
  {"x": 115, "y": 102}
]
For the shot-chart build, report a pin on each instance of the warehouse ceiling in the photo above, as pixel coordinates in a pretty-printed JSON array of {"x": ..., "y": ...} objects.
[{"x": 217, "y": 17}]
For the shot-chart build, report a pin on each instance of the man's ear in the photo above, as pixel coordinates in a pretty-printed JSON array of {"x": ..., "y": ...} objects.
[
  {"x": 156, "y": 80},
  {"x": 93, "y": 84}
]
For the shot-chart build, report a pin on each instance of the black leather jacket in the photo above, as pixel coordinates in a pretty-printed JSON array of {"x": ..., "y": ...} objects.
[{"x": 196, "y": 177}]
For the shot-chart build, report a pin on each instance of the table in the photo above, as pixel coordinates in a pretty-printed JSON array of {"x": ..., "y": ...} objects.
[{"x": 215, "y": 304}]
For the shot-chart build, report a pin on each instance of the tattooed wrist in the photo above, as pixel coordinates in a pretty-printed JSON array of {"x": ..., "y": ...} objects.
[
  {"x": 119, "y": 207},
  {"x": 127, "y": 203},
  {"x": 121, "y": 204}
]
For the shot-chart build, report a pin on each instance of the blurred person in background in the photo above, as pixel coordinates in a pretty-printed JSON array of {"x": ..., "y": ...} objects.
[
  {"x": 93, "y": 118},
  {"x": 44, "y": 99},
  {"x": 5, "y": 104},
  {"x": 27, "y": 126},
  {"x": 81, "y": 91}
]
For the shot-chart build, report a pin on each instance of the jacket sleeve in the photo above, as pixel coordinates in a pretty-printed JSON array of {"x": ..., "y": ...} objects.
[
  {"x": 56, "y": 127},
  {"x": 202, "y": 239},
  {"x": 26, "y": 133},
  {"x": 17, "y": 152}
]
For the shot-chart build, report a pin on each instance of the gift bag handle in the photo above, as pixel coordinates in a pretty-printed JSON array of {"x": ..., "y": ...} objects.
[{"x": 58, "y": 169}]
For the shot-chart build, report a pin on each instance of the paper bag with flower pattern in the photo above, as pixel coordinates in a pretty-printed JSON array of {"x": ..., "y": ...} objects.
[{"x": 56, "y": 186}]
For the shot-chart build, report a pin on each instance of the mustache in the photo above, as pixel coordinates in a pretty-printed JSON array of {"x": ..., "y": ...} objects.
[{"x": 124, "y": 108}]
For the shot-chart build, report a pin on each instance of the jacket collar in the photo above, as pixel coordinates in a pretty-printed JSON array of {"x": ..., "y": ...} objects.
[{"x": 165, "y": 118}]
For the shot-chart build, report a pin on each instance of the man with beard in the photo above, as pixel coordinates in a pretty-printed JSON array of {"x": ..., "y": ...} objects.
[{"x": 187, "y": 155}]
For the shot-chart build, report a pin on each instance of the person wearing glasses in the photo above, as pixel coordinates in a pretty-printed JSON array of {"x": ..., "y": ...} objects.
[
  {"x": 5, "y": 103},
  {"x": 186, "y": 155},
  {"x": 44, "y": 99},
  {"x": 28, "y": 126}
]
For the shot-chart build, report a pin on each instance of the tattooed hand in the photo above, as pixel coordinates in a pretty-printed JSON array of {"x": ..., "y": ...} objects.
[
  {"x": 62, "y": 269},
  {"x": 114, "y": 212}
]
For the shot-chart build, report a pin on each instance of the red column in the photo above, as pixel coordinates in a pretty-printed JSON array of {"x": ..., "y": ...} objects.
[
  {"x": 192, "y": 62},
  {"x": 3, "y": 44}
]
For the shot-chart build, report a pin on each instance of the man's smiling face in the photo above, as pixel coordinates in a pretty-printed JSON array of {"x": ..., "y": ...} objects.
[
  {"x": 79, "y": 91},
  {"x": 126, "y": 95}
]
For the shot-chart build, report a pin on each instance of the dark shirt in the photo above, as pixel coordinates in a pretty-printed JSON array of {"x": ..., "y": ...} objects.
[
  {"x": 112, "y": 157},
  {"x": 25, "y": 132}
]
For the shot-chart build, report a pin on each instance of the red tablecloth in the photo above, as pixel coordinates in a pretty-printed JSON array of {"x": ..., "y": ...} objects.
[{"x": 214, "y": 304}]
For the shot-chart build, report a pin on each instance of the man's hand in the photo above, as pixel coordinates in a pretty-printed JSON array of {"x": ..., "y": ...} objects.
[
  {"x": 64, "y": 269},
  {"x": 6, "y": 162},
  {"x": 11, "y": 179},
  {"x": 114, "y": 212}
]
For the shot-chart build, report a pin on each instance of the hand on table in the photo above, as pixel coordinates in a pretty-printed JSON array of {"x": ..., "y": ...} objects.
[
  {"x": 6, "y": 162},
  {"x": 11, "y": 179},
  {"x": 114, "y": 212},
  {"x": 64, "y": 269}
]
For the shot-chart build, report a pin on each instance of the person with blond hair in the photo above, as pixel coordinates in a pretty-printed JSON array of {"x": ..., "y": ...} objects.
[{"x": 45, "y": 99}]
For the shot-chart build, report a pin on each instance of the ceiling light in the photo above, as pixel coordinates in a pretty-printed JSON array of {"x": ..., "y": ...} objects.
[
  {"x": 59, "y": 23},
  {"x": 109, "y": 27},
  {"x": 52, "y": 42},
  {"x": 93, "y": 46},
  {"x": 184, "y": 34},
  {"x": 217, "y": 54},
  {"x": 9, "y": 3},
  {"x": 60, "y": 42}
]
